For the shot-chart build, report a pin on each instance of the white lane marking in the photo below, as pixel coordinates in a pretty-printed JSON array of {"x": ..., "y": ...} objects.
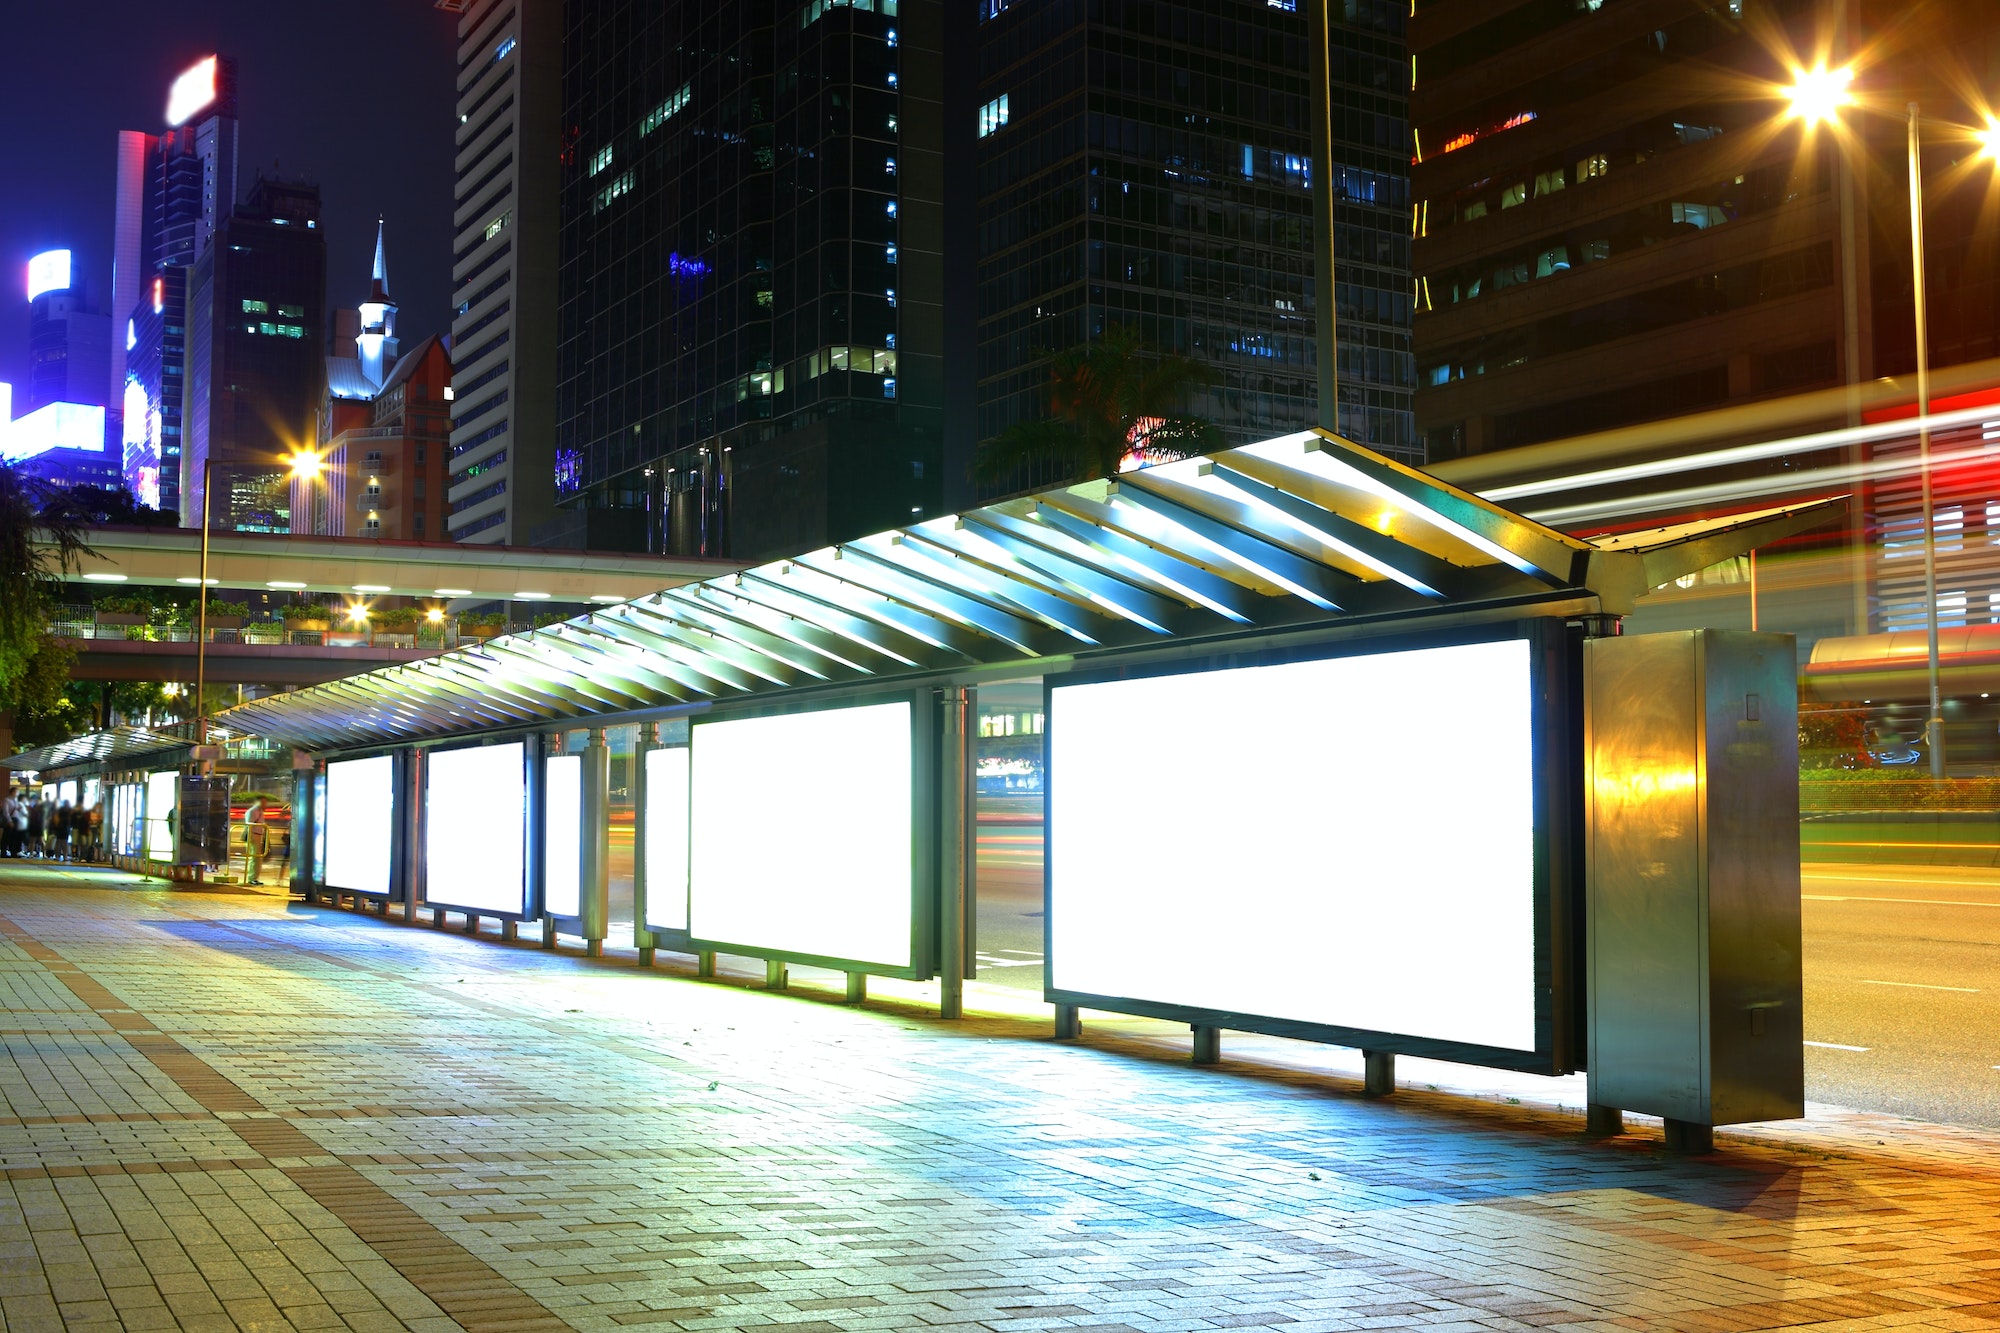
[
  {"x": 1856, "y": 898},
  {"x": 1921, "y": 985},
  {"x": 1836, "y": 1046}
]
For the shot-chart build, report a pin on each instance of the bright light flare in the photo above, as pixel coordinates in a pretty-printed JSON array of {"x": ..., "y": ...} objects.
[
  {"x": 1817, "y": 94},
  {"x": 1989, "y": 139},
  {"x": 305, "y": 464}
]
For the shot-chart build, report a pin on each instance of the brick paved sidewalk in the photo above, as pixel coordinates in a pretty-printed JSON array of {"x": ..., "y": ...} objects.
[{"x": 231, "y": 1112}]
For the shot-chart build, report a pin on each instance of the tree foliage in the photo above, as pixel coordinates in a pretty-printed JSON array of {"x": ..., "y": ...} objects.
[
  {"x": 38, "y": 545},
  {"x": 1107, "y": 399}
]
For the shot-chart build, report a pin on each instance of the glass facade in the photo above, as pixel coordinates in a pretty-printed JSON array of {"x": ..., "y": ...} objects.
[
  {"x": 1150, "y": 165},
  {"x": 751, "y": 225}
]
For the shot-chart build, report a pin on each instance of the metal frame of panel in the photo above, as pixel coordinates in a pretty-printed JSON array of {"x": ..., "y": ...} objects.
[
  {"x": 923, "y": 872},
  {"x": 529, "y": 761},
  {"x": 1554, "y": 655}
]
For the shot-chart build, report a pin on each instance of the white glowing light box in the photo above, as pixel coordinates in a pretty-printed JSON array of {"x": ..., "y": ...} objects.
[
  {"x": 1345, "y": 842},
  {"x": 360, "y": 824},
  {"x": 162, "y": 791},
  {"x": 562, "y": 836},
  {"x": 665, "y": 827},
  {"x": 800, "y": 835},
  {"x": 475, "y": 828}
]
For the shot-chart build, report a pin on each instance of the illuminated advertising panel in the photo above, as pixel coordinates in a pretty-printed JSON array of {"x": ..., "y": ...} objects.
[
  {"x": 66, "y": 792},
  {"x": 193, "y": 90},
  {"x": 800, "y": 834},
  {"x": 666, "y": 832},
  {"x": 162, "y": 789},
  {"x": 48, "y": 271},
  {"x": 360, "y": 824},
  {"x": 562, "y": 836},
  {"x": 141, "y": 464},
  {"x": 475, "y": 828},
  {"x": 54, "y": 426},
  {"x": 1347, "y": 842}
]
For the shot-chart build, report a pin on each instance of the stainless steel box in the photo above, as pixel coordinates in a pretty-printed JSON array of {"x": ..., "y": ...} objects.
[{"x": 1692, "y": 876}]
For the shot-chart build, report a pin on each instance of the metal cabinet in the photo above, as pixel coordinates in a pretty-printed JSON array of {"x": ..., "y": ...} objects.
[{"x": 1692, "y": 857}]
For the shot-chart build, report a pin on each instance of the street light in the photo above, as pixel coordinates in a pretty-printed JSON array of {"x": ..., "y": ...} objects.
[
  {"x": 304, "y": 465},
  {"x": 1816, "y": 96}
]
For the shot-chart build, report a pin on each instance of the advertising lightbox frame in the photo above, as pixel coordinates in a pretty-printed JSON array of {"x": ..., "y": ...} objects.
[
  {"x": 530, "y": 844},
  {"x": 923, "y": 838},
  {"x": 398, "y": 851},
  {"x": 1555, "y": 685}
]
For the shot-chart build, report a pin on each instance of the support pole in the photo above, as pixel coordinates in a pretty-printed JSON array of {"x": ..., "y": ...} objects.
[
  {"x": 1603, "y": 1121},
  {"x": 776, "y": 975},
  {"x": 951, "y": 845},
  {"x": 704, "y": 963},
  {"x": 1207, "y": 1044},
  {"x": 1934, "y": 728},
  {"x": 857, "y": 987},
  {"x": 595, "y": 899},
  {"x": 1378, "y": 1073},
  {"x": 1069, "y": 1023},
  {"x": 1319, "y": 56},
  {"x": 642, "y": 939},
  {"x": 510, "y": 931},
  {"x": 1685, "y": 1136}
]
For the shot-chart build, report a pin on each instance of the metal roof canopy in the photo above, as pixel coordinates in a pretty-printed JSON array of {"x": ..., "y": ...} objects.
[
  {"x": 1305, "y": 532},
  {"x": 106, "y": 747}
]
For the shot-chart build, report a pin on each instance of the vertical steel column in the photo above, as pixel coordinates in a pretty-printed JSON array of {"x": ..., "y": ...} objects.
[
  {"x": 594, "y": 905},
  {"x": 537, "y": 746},
  {"x": 304, "y": 872},
  {"x": 1326, "y": 326},
  {"x": 951, "y": 856},
  {"x": 414, "y": 884},
  {"x": 642, "y": 939}
]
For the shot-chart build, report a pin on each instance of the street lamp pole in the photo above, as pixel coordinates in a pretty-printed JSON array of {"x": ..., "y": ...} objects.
[
  {"x": 201, "y": 613},
  {"x": 1934, "y": 728}
]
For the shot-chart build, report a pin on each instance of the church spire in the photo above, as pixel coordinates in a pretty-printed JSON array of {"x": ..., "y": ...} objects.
[
  {"x": 378, "y": 289},
  {"x": 377, "y": 345}
]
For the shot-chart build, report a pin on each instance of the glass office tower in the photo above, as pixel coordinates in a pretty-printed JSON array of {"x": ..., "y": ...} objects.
[{"x": 1150, "y": 165}]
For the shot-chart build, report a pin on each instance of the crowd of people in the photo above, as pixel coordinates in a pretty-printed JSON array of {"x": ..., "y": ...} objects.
[{"x": 52, "y": 830}]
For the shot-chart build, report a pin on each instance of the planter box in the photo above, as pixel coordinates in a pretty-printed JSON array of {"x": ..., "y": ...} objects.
[
  {"x": 480, "y": 631},
  {"x": 321, "y": 625}
]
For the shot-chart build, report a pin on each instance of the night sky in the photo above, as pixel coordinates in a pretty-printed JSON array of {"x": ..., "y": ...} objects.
[{"x": 356, "y": 95}]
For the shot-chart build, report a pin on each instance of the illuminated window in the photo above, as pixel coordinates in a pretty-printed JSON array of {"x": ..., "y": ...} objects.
[
  {"x": 256, "y": 308},
  {"x": 1592, "y": 167},
  {"x": 1475, "y": 209},
  {"x": 665, "y": 111},
  {"x": 617, "y": 189},
  {"x": 292, "y": 311},
  {"x": 1555, "y": 259},
  {"x": 498, "y": 225},
  {"x": 1700, "y": 215},
  {"x": 993, "y": 116},
  {"x": 1516, "y": 193},
  {"x": 374, "y": 523},
  {"x": 600, "y": 159},
  {"x": 505, "y": 49},
  {"x": 1548, "y": 182}
]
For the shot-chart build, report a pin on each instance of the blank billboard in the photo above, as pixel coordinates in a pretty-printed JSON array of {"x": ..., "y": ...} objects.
[
  {"x": 360, "y": 823},
  {"x": 1347, "y": 842},
  {"x": 801, "y": 837},
  {"x": 664, "y": 824},
  {"x": 562, "y": 836},
  {"x": 162, "y": 791},
  {"x": 475, "y": 828}
]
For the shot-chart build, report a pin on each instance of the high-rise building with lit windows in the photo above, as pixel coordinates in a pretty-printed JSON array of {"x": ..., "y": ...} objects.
[
  {"x": 174, "y": 191},
  {"x": 752, "y": 256},
  {"x": 1617, "y": 221},
  {"x": 503, "y": 333},
  {"x": 256, "y": 347},
  {"x": 1148, "y": 165}
]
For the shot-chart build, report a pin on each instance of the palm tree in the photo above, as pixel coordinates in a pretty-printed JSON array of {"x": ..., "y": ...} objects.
[{"x": 1108, "y": 400}]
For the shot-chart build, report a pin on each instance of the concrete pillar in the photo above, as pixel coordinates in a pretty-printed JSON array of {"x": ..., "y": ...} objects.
[
  {"x": 857, "y": 987},
  {"x": 472, "y": 923},
  {"x": 1207, "y": 1044},
  {"x": 1603, "y": 1121},
  {"x": 1378, "y": 1073},
  {"x": 594, "y": 900},
  {"x": 776, "y": 975},
  {"x": 510, "y": 931},
  {"x": 954, "y": 763},
  {"x": 704, "y": 963},
  {"x": 1069, "y": 1023}
]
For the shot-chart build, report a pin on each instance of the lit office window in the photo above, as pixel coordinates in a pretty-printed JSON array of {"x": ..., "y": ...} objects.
[
  {"x": 600, "y": 159},
  {"x": 993, "y": 116}
]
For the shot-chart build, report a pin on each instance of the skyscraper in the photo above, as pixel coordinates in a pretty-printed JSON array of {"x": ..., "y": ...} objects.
[
  {"x": 1150, "y": 165},
  {"x": 504, "y": 268},
  {"x": 753, "y": 236},
  {"x": 256, "y": 303},
  {"x": 174, "y": 191},
  {"x": 1618, "y": 223},
  {"x": 69, "y": 342}
]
